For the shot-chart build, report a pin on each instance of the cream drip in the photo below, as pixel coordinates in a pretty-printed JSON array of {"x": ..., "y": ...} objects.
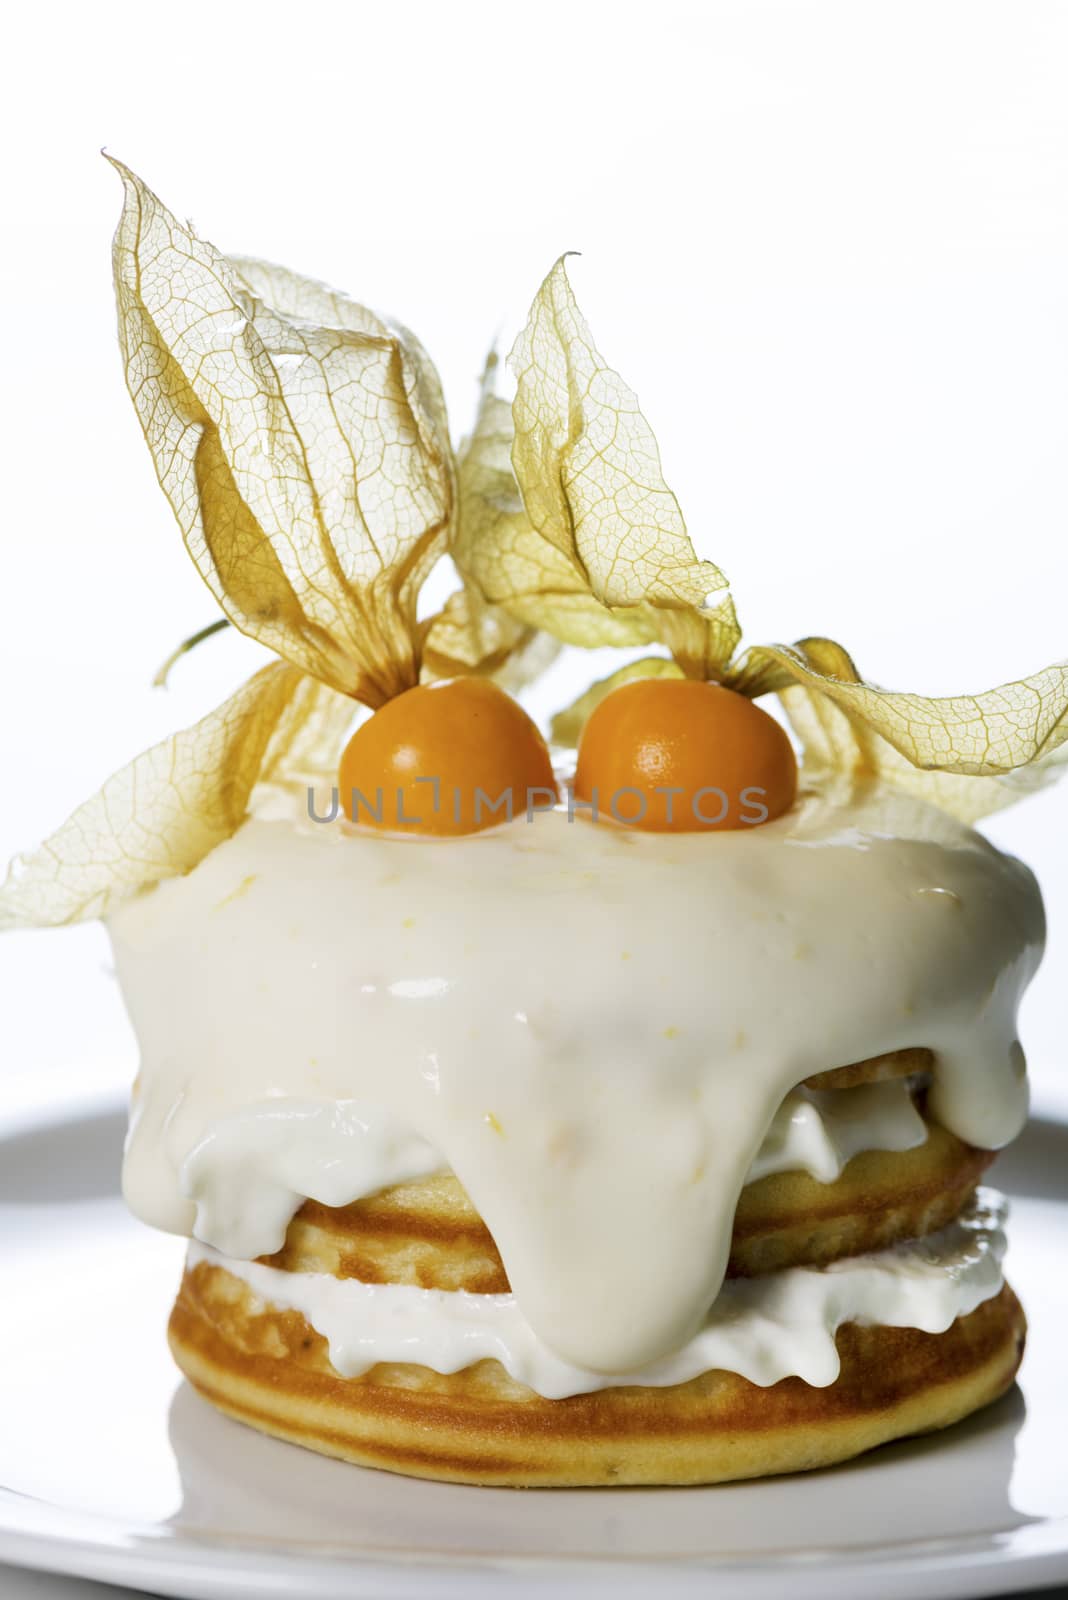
[
  {"x": 594, "y": 1028},
  {"x": 768, "y": 1328},
  {"x": 254, "y": 1168}
]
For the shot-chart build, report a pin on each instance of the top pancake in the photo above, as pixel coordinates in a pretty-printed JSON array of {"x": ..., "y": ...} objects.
[{"x": 428, "y": 1233}]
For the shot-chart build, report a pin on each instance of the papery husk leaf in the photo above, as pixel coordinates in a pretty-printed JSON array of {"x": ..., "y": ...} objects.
[
  {"x": 527, "y": 661},
  {"x": 702, "y": 641},
  {"x": 588, "y": 467},
  {"x": 467, "y": 635},
  {"x": 301, "y": 299},
  {"x": 567, "y": 725},
  {"x": 302, "y": 443},
  {"x": 502, "y": 556},
  {"x": 161, "y": 814},
  {"x": 470, "y": 636},
  {"x": 969, "y": 754},
  {"x": 471, "y": 633},
  {"x": 309, "y": 738}
]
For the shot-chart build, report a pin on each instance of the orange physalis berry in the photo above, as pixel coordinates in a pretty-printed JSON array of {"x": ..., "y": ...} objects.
[
  {"x": 451, "y": 757},
  {"x": 672, "y": 755}
]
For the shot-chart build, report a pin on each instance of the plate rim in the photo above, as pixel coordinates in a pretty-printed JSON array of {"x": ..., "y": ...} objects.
[{"x": 1029, "y": 1557}]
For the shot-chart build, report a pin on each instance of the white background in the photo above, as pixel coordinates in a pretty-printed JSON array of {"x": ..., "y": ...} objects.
[{"x": 828, "y": 243}]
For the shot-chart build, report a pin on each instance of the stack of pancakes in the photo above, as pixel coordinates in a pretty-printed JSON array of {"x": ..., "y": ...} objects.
[{"x": 270, "y": 1368}]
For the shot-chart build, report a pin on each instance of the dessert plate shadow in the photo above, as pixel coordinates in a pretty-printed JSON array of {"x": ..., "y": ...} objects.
[{"x": 111, "y": 1468}]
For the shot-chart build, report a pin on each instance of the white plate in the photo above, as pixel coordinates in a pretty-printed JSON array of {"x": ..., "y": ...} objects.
[{"x": 112, "y": 1468}]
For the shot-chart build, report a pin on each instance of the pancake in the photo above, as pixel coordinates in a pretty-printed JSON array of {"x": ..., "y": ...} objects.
[
  {"x": 267, "y": 1365},
  {"x": 428, "y": 1233},
  {"x": 882, "y": 1197},
  {"x": 877, "y": 1069},
  {"x": 270, "y": 1369}
]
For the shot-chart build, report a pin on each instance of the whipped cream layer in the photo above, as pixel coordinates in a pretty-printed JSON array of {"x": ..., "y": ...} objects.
[
  {"x": 765, "y": 1329},
  {"x": 594, "y": 1028}
]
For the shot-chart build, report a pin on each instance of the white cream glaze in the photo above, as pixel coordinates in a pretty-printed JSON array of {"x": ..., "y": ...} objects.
[
  {"x": 594, "y": 1027},
  {"x": 819, "y": 1132},
  {"x": 254, "y": 1168},
  {"x": 769, "y": 1328}
]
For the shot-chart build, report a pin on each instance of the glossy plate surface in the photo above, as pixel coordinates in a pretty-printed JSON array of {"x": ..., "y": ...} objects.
[{"x": 111, "y": 1467}]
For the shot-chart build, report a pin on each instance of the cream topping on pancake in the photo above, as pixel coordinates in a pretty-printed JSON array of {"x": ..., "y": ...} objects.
[
  {"x": 255, "y": 1167},
  {"x": 769, "y": 1328},
  {"x": 594, "y": 1028}
]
